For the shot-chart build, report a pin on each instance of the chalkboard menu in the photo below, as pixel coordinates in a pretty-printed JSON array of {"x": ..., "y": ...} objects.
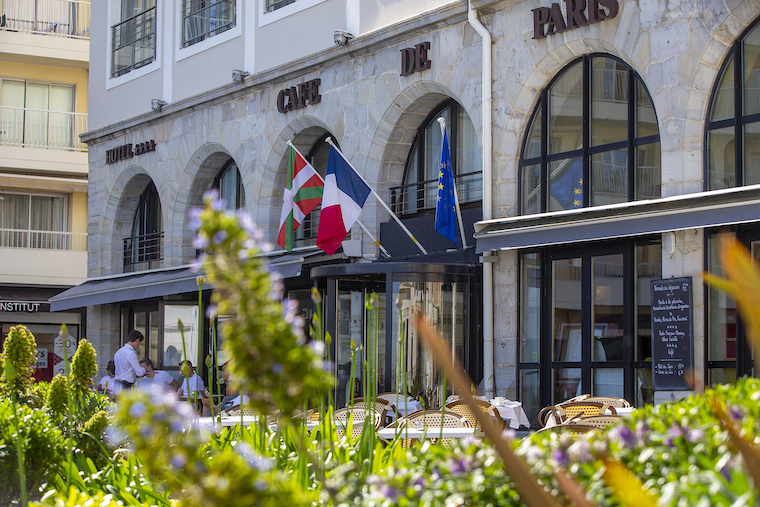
[{"x": 672, "y": 355}]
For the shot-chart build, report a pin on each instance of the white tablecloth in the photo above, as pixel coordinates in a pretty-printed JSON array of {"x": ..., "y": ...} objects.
[
  {"x": 408, "y": 407},
  {"x": 428, "y": 432},
  {"x": 512, "y": 412}
]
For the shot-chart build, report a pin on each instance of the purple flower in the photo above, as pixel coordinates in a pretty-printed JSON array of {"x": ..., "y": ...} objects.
[
  {"x": 624, "y": 435},
  {"x": 675, "y": 431},
  {"x": 735, "y": 413},
  {"x": 201, "y": 241},
  {"x": 560, "y": 456},
  {"x": 458, "y": 467},
  {"x": 260, "y": 484},
  {"x": 726, "y": 472},
  {"x": 695, "y": 435},
  {"x": 137, "y": 410},
  {"x": 218, "y": 204},
  {"x": 115, "y": 435},
  {"x": 211, "y": 311},
  {"x": 195, "y": 224},
  {"x": 220, "y": 236},
  {"x": 418, "y": 483},
  {"x": 197, "y": 264},
  {"x": 211, "y": 195},
  {"x": 276, "y": 368},
  {"x": 195, "y": 213},
  {"x": 389, "y": 492},
  {"x": 252, "y": 458},
  {"x": 179, "y": 461},
  {"x": 318, "y": 347},
  {"x": 435, "y": 475},
  {"x": 246, "y": 222}
]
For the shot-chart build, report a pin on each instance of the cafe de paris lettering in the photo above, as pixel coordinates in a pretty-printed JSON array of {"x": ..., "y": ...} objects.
[
  {"x": 299, "y": 96},
  {"x": 551, "y": 20},
  {"x": 126, "y": 151}
]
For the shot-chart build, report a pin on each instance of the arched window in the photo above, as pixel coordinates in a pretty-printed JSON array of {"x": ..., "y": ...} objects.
[
  {"x": 230, "y": 186},
  {"x": 420, "y": 189},
  {"x": 142, "y": 250},
  {"x": 593, "y": 140},
  {"x": 733, "y": 119}
]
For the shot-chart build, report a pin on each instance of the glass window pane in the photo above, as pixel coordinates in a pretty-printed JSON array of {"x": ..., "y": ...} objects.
[
  {"x": 722, "y": 107},
  {"x": 468, "y": 146},
  {"x": 566, "y": 111},
  {"x": 609, "y": 104},
  {"x": 533, "y": 144},
  {"x": 607, "y": 382},
  {"x": 721, "y": 376},
  {"x": 648, "y": 268},
  {"x": 751, "y": 154},
  {"x": 566, "y": 184},
  {"x": 644, "y": 387},
  {"x": 531, "y": 189},
  {"x": 751, "y": 46},
  {"x": 174, "y": 350},
  {"x": 720, "y": 159},
  {"x": 608, "y": 296},
  {"x": 567, "y": 295},
  {"x": 722, "y": 314},
  {"x": 566, "y": 384},
  {"x": 432, "y": 155},
  {"x": 530, "y": 387},
  {"x": 646, "y": 118},
  {"x": 648, "y": 171},
  {"x": 609, "y": 177},
  {"x": 14, "y": 211},
  {"x": 530, "y": 308}
]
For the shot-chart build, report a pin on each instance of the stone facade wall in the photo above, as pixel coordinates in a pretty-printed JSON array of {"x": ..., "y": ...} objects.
[{"x": 677, "y": 47}]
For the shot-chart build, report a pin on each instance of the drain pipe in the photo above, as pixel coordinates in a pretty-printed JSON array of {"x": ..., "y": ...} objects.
[{"x": 488, "y": 359}]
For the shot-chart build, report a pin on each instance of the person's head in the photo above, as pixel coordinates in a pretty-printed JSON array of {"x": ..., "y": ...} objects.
[
  {"x": 189, "y": 366},
  {"x": 135, "y": 338},
  {"x": 147, "y": 364},
  {"x": 111, "y": 369}
]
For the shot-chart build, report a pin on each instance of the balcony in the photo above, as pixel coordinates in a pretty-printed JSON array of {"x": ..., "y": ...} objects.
[
  {"x": 143, "y": 252},
  {"x": 422, "y": 196},
  {"x": 42, "y": 257},
  {"x": 64, "y": 18},
  {"x": 133, "y": 43},
  {"x": 36, "y": 128}
]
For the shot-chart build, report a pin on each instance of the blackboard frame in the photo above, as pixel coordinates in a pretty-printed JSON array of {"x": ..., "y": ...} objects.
[{"x": 672, "y": 334}]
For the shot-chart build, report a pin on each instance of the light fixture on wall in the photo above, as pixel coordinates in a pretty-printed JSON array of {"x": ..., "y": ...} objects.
[
  {"x": 238, "y": 76},
  {"x": 342, "y": 37},
  {"x": 157, "y": 104}
]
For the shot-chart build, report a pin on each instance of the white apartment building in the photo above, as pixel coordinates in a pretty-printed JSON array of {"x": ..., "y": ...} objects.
[
  {"x": 598, "y": 149},
  {"x": 44, "y": 70}
]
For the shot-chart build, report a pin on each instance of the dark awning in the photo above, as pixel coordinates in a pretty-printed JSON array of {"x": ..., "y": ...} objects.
[
  {"x": 156, "y": 283},
  {"x": 705, "y": 209}
]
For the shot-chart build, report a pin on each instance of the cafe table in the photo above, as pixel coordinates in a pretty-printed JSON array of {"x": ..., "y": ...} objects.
[
  {"x": 210, "y": 423},
  {"x": 511, "y": 411},
  {"x": 427, "y": 432}
]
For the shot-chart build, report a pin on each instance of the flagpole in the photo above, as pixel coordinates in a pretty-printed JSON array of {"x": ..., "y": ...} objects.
[
  {"x": 456, "y": 197},
  {"x": 377, "y": 196},
  {"x": 381, "y": 247}
]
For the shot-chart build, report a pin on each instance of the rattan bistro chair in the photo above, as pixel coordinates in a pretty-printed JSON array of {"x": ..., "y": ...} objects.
[
  {"x": 382, "y": 407},
  {"x": 597, "y": 421},
  {"x": 342, "y": 415},
  {"x": 463, "y": 409},
  {"x": 610, "y": 401},
  {"x": 568, "y": 410},
  {"x": 433, "y": 419}
]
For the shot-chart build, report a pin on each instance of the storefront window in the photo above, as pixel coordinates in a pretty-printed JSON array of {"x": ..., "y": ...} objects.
[
  {"x": 230, "y": 186},
  {"x": 600, "y": 144},
  {"x": 733, "y": 126},
  {"x": 723, "y": 323}
]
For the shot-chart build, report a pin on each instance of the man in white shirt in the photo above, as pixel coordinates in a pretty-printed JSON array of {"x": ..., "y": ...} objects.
[
  {"x": 160, "y": 377},
  {"x": 127, "y": 366},
  {"x": 193, "y": 383}
]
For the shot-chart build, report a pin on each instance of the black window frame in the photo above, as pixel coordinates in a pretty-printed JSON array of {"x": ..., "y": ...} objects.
[
  {"x": 205, "y": 7},
  {"x": 586, "y": 151}
]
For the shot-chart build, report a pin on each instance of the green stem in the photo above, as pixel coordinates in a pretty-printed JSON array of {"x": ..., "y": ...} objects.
[
  {"x": 69, "y": 422},
  {"x": 20, "y": 457}
]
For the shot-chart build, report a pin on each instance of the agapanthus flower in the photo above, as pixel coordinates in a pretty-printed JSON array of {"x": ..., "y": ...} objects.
[
  {"x": 200, "y": 241},
  {"x": 211, "y": 311},
  {"x": 624, "y": 435},
  {"x": 137, "y": 410},
  {"x": 220, "y": 236},
  {"x": 218, "y": 204},
  {"x": 211, "y": 195},
  {"x": 318, "y": 347},
  {"x": 389, "y": 492},
  {"x": 197, "y": 264},
  {"x": 560, "y": 457}
]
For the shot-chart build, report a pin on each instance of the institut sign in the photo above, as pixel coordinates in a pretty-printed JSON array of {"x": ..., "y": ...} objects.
[{"x": 578, "y": 13}]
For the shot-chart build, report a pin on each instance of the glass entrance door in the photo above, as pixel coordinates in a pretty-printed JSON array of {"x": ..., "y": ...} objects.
[{"x": 589, "y": 339}]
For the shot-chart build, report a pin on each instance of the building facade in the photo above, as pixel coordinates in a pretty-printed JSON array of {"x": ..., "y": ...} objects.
[
  {"x": 599, "y": 148},
  {"x": 44, "y": 63}
]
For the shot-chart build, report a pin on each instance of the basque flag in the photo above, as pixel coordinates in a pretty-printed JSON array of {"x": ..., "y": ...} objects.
[
  {"x": 344, "y": 196},
  {"x": 445, "y": 208}
]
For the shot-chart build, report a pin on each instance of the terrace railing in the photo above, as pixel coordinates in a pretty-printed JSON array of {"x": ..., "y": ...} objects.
[
  {"x": 421, "y": 196},
  {"x": 45, "y": 240},
  {"x": 143, "y": 252},
  {"x": 65, "y": 18},
  {"x": 133, "y": 42},
  {"x": 57, "y": 130}
]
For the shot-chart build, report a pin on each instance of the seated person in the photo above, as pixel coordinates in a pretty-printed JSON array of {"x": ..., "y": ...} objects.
[
  {"x": 108, "y": 383},
  {"x": 191, "y": 383},
  {"x": 232, "y": 400},
  {"x": 160, "y": 377}
]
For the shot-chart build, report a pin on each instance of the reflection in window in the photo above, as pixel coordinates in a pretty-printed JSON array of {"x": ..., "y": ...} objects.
[
  {"x": 205, "y": 18},
  {"x": 420, "y": 189},
  {"x": 733, "y": 127},
  {"x": 133, "y": 40},
  {"x": 600, "y": 144},
  {"x": 230, "y": 186},
  {"x": 142, "y": 250}
]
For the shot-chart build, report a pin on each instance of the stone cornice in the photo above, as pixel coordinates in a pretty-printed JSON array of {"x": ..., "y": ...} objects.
[{"x": 430, "y": 21}]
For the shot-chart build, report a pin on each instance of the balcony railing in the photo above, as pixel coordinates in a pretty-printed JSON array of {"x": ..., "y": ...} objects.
[
  {"x": 66, "y": 18},
  {"x": 143, "y": 252},
  {"x": 21, "y": 126},
  {"x": 416, "y": 197},
  {"x": 273, "y": 5},
  {"x": 45, "y": 240},
  {"x": 133, "y": 42}
]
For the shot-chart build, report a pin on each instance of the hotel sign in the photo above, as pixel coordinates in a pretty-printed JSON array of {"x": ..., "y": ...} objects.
[
  {"x": 551, "y": 20},
  {"x": 126, "y": 151},
  {"x": 415, "y": 59}
]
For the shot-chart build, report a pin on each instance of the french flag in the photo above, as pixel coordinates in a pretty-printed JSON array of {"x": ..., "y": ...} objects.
[{"x": 344, "y": 196}]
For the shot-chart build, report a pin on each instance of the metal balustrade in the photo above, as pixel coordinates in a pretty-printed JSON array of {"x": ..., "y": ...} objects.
[
  {"x": 21, "y": 126},
  {"x": 65, "y": 18},
  {"x": 133, "y": 42},
  {"x": 45, "y": 240},
  {"x": 416, "y": 197},
  {"x": 143, "y": 252},
  {"x": 273, "y": 5}
]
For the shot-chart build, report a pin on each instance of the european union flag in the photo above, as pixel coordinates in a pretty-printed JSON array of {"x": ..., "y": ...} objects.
[
  {"x": 567, "y": 188},
  {"x": 445, "y": 209}
]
